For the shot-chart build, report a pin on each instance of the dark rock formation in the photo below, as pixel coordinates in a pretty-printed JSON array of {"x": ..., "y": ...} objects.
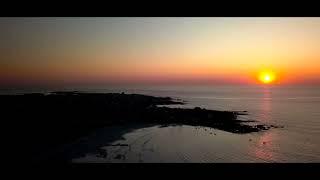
[{"x": 47, "y": 120}]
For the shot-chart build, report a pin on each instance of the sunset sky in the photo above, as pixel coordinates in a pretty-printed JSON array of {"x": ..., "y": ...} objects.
[{"x": 158, "y": 50}]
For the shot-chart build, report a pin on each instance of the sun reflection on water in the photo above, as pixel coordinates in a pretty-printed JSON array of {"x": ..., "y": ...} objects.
[
  {"x": 265, "y": 108},
  {"x": 263, "y": 148}
]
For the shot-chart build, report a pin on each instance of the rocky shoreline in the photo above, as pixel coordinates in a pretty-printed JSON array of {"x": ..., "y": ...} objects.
[{"x": 44, "y": 121}]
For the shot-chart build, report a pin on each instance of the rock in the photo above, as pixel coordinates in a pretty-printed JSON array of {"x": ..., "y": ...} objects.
[
  {"x": 102, "y": 153},
  {"x": 83, "y": 113},
  {"x": 197, "y": 108},
  {"x": 119, "y": 156}
]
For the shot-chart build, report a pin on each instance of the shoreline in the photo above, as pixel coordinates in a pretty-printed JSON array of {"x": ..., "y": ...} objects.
[{"x": 47, "y": 121}]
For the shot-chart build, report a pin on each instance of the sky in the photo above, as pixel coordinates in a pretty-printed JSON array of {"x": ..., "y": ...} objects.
[{"x": 65, "y": 51}]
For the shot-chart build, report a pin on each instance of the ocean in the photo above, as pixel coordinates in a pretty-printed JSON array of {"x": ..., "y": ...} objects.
[{"x": 296, "y": 108}]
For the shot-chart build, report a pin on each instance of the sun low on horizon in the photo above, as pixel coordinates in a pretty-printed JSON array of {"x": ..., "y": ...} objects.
[
  {"x": 81, "y": 51},
  {"x": 267, "y": 77}
]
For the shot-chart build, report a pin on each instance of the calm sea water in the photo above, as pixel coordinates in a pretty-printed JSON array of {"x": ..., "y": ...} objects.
[{"x": 297, "y": 108}]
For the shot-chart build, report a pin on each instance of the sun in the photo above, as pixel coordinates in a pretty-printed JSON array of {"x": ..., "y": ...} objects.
[{"x": 267, "y": 77}]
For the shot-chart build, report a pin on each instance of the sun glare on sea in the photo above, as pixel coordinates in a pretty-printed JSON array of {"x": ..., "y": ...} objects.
[{"x": 267, "y": 77}]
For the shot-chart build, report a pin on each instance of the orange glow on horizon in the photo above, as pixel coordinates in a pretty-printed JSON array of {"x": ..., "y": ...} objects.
[
  {"x": 253, "y": 51},
  {"x": 267, "y": 76}
]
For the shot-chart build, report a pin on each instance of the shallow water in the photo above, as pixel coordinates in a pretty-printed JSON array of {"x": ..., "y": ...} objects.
[
  {"x": 185, "y": 144},
  {"x": 297, "y": 108}
]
